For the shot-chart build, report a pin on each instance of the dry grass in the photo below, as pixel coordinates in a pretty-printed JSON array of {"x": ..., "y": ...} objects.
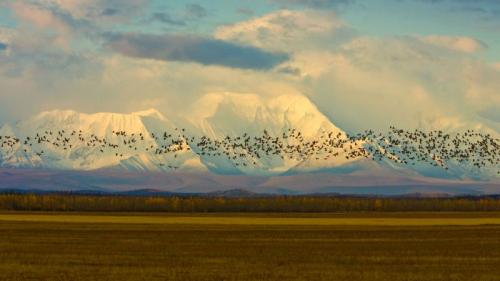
[
  {"x": 93, "y": 250},
  {"x": 251, "y": 220}
]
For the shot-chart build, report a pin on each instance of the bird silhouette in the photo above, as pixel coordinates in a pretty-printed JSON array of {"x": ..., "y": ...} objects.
[{"x": 405, "y": 147}]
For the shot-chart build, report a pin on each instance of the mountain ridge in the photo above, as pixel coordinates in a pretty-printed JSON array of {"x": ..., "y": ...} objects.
[
  {"x": 275, "y": 115},
  {"x": 192, "y": 183},
  {"x": 218, "y": 115}
]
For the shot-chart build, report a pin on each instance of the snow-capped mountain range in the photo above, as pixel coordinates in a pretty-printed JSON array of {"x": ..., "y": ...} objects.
[{"x": 216, "y": 116}]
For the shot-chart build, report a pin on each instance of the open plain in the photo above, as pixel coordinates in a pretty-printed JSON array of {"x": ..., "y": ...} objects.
[{"x": 262, "y": 246}]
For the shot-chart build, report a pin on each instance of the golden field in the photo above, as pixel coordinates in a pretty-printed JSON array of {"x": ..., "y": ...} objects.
[{"x": 262, "y": 246}]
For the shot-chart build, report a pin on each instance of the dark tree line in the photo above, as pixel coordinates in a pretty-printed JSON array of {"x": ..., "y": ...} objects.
[{"x": 109, "y": 203}]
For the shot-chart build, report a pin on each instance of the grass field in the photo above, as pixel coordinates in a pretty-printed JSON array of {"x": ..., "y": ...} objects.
[{"x": 371, "y": 246}]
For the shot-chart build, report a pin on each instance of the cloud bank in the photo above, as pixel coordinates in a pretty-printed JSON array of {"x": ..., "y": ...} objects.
[
  {"x": 67, "y": 54},
  {"x": 193, "y": 49}
]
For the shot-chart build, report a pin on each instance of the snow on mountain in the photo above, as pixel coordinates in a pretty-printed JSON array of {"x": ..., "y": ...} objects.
[
  {"x": 222, "y": 114},
  {"x": 93, "y": 153},
  {"x": 215, "y": 115}
]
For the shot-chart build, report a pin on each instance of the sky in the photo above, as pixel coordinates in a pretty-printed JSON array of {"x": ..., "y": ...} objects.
[{"x": 365, "y": 64}]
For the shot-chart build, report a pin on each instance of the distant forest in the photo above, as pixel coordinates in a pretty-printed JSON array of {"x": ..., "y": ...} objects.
[{"x": 199, "y": 204}]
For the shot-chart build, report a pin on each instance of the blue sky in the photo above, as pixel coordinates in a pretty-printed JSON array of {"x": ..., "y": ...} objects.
[{"x": 432, "y": 62}]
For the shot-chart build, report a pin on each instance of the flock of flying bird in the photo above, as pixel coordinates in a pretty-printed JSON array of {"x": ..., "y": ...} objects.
[{"x": 406, "y": 147}]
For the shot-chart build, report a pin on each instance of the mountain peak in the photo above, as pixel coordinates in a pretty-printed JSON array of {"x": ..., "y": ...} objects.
[
  {"x": 222, "y": 113},
  {"x": 152, "y": 112},
  {"x": 62, "y": 114}
]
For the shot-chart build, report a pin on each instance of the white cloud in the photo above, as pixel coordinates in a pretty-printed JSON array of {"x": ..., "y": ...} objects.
[
  {"x": 6, "y": 34},
  {"x": 117, "y": 83},
  {"x": 287, "y": 30},
  {"x": 45, "y": 24},
  {"x": 310, "y": 64},
  {"x": 456, "y": 43},
  {"x": 44, "y": 21},
  {"x": 359, "y": 82},
  {"x": 373, "y": 83}
]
